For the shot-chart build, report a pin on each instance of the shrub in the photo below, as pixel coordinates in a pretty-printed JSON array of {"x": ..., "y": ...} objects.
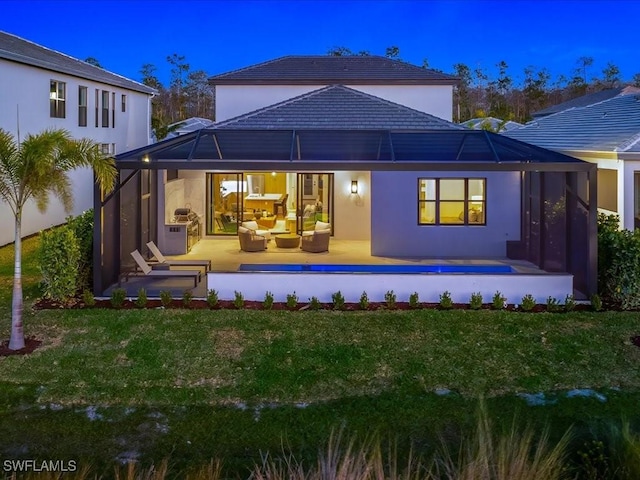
[
  {"x": 618, "y": 264},
  {"x": 338, "y": 300},
  {"x": 238, "y": 299},
  {"x": 364, "y": 301},
  {"x": 292, "y": 300},
  {"x": 528, "y": 302},
  {"x": 569, "y": 303},
  {"x": 141, "y": 301},
  {"x": 165, "y": 298},
  {"x": 552, "y": 304},
  {"x": 314, "y": 303},
  {"x": 88, "y": 298},
  {"x": 267, "y": 303},
  {"x": 475, "y": 303},
  {"x": 58, "y": 255},
  {"x": 414, "y": 300},
  {"x": 82, "y": 227},
  {"x": 187, "y": 297},
  {"x": 446, "y": 303},
  {"x": 498, "y": 301},
  {"x": 390, "y": 299},
  {"x": 212, "y": 298},
  {"x": 118, "y": 296},
  {"x": 596, "y": 302}
]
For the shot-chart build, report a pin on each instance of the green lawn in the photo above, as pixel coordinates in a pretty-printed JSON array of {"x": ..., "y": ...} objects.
[{"x": 192, "y": 384}]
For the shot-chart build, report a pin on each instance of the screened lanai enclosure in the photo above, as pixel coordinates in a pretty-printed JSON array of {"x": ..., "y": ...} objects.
[{"x": 539, "y": 205}]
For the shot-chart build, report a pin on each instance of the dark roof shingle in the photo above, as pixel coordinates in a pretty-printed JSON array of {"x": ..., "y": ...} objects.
[
  {"x": 23, "y": 51},
  {"x": 337, "y": 107},
  {"x": 612, "y": 125},
  {"x": 327, "y": 69},
  {"x": 585, "y": 100}
]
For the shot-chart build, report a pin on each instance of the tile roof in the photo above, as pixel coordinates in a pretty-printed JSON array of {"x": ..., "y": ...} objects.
[
  {"x": 19, "y": 50},
  {"x": 585, "y": 100},
  {"x": 337, "y": 107},
  {"x": 327, "y": 69},
  {"x": 495, "y": 123},
  {"x": 612, "y": 125}
]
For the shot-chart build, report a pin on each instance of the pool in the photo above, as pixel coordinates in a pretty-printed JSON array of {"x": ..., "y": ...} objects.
[{"x": 328, "y": 268}]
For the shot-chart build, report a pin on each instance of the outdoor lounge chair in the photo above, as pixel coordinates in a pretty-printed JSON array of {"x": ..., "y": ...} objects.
[
  {"x": 150, "y": 272},
  {"x": 316, "y": 242},
  {"x": 206, "y": 264},
  {"x": 251, "y": 242}
]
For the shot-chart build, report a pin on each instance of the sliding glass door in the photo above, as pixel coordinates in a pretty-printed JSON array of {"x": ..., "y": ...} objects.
[
  {"x": 278, "y": 201},
  {"x": 314, "y": 200},
  {"x": 225, "y": 193}
]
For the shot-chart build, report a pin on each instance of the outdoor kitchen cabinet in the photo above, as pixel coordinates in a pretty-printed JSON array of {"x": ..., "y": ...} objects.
[{"x": 179, "y": 238}]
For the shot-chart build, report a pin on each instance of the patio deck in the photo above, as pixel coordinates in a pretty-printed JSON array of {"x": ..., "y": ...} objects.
[{"x": 226, "y": 257}]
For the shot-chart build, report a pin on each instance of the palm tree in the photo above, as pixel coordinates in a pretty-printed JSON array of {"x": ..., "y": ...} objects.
[{"x": 32, "y": 170}]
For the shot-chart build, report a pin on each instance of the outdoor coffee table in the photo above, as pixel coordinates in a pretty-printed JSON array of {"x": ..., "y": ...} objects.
[{"x": 288, "y": 240}]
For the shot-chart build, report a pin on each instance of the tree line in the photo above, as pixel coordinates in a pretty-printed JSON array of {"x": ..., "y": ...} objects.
[{"x": 478, "y": 93}]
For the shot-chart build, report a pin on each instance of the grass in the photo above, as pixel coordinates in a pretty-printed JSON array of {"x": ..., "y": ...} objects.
[{"x": 192, "y": 385}]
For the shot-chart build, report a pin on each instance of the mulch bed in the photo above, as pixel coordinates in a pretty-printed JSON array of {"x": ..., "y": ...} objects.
[{"x": 30, "y": 344}]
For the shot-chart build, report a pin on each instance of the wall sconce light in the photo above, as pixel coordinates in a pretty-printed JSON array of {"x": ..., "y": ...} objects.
[
  {"x": 146, "y": 159},
  {"x": 354, "y": 186}
]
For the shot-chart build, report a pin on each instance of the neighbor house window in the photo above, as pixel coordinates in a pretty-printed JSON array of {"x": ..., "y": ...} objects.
[
  {"x": 105, "y": 148},
  {"x": 105, "y": 108},
  {"x": 123, "y": 103},
  {"x": 57, "y": 97},
  {"x": 97, "y": 107},
  {"x": 82, "y": 106},
  {"x": 452, "y": 201},
  {"x": 113, "y": 110}
]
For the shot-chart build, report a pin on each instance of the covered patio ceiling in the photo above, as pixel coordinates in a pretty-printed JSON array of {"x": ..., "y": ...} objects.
[{"x": 361, "y": 149}]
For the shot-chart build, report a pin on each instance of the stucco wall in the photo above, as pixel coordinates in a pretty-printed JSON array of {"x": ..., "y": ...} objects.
[
  {"x": 394, "y": 218},
  {"x": 352, "y": 215},
  {"x": 24, "y": 101},
  {"x": 234, "y": 100}
]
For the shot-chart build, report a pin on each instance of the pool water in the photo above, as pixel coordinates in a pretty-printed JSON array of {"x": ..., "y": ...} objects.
[{"x": 328, "y": 268}]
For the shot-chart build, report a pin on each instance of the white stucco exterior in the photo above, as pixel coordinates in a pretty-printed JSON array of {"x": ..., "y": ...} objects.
[
  {"x": 24, "y": 109},
  {"x": 394, "y": 218},
  {"x": 235, "y": 100}
]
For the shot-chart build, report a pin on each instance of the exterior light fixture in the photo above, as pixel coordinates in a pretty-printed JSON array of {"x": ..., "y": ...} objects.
[
  {"x": 354, "y": 186},
  {"x": 145, "y": 159}
]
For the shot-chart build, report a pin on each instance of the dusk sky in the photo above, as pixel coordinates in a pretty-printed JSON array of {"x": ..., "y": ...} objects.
[{"x": 219, "y": 36}]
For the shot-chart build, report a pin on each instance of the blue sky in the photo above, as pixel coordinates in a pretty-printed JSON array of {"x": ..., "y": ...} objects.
[{"x": 219, "y": 36}]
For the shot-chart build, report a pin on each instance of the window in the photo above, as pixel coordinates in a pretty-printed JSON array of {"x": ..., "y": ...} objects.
[
  {"x": 105, "y": 108},
  {"x": 452, "y": 201},
  {"x": 113, "y": 110},
  {"x": 82, "y": 106},
  {"x": 105, "y": 148},
  {"x": 97, "y": 106},
  {"x": 123, "y": 103},
  {"x": 57, "y": 96}
]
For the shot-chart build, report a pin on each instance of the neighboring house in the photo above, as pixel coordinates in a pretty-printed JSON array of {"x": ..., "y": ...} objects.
[
  {"x": 606, "y": 133},
  {"x": 43, "y": 89},
  {"x": 491, "y": 124},
  {"x": 189, "y": 125},
  {"x": 367, "y": 143},
  {"x": 585, "y": 101}
]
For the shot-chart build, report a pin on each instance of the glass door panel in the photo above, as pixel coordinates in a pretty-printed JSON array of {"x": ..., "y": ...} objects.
[
  {"x": 225, "y": 194},
  {"x": 314, "y": 202}
]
